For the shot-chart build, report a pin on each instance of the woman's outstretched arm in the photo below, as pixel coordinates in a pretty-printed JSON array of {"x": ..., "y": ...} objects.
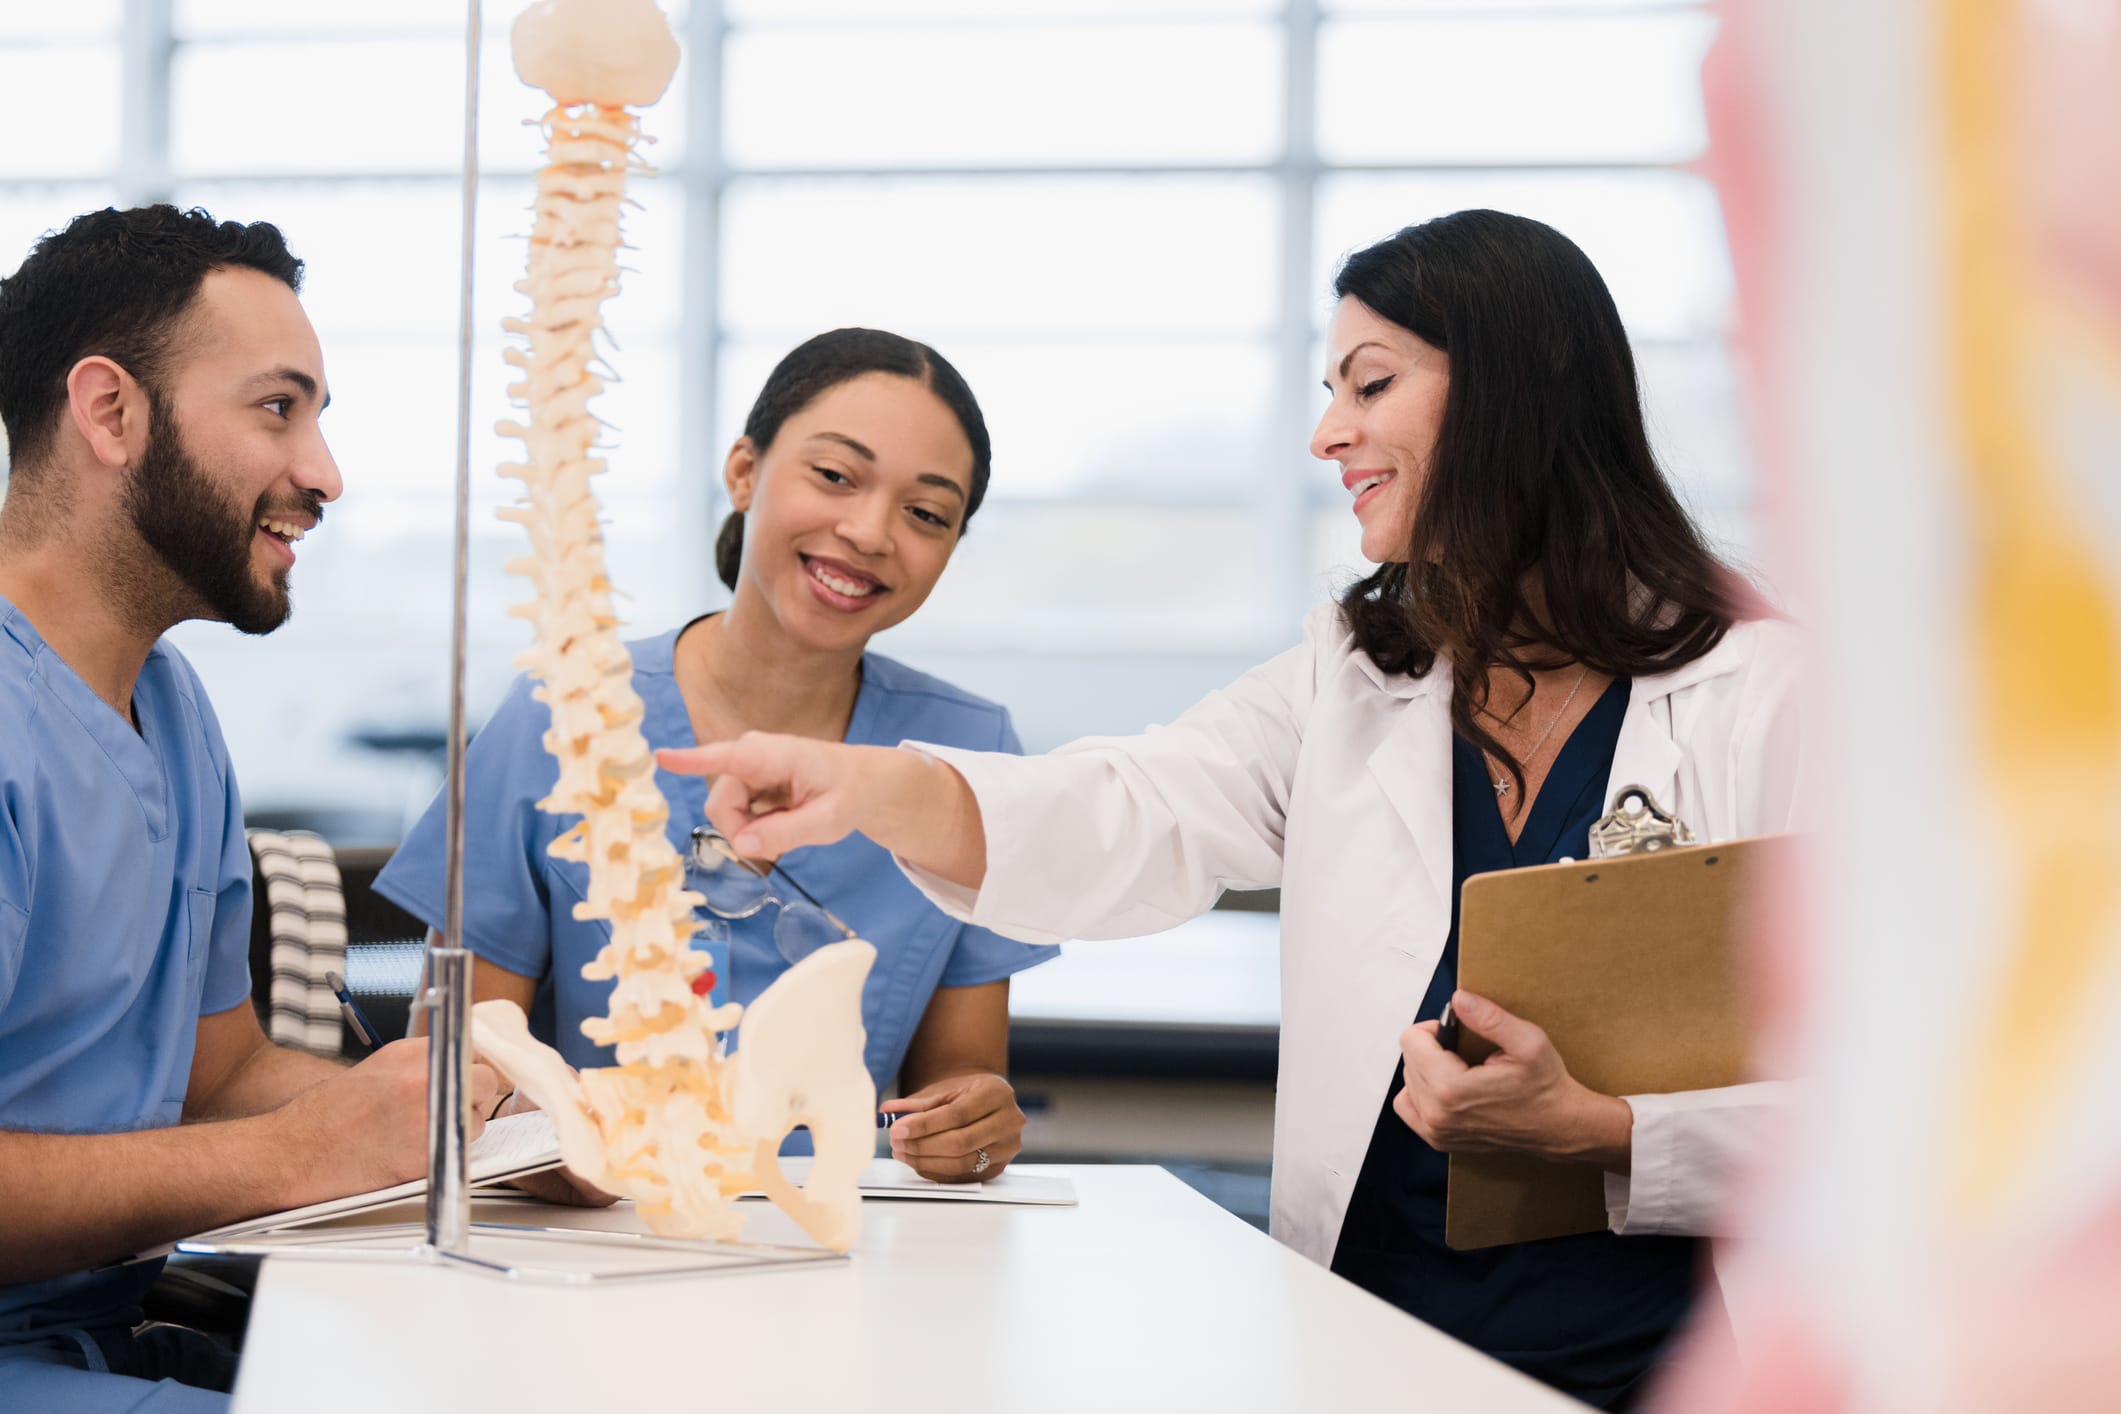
[
  {"x": 1107, "y": 837},
  {"x": 773, "y": 794}
]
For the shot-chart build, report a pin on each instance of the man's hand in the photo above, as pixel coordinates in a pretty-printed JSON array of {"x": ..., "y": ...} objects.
[
  {"x": 77, "y": 1200},
  {"x": 1522, "y": 1099},
  {"x": 366, "y": 1127},
  {"x": 946, "y": 1125}
]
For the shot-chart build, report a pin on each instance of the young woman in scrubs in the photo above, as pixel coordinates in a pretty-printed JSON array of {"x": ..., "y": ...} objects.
[
  {"x": 860, "y": 465},
  {"x": 1544, "y": 625}
]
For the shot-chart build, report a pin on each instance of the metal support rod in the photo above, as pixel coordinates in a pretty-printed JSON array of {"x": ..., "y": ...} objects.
[
  {"x": 449, "y": 1037},
  {"x": 145, "y": 45},
  {"x": 700, "y": 344},
  {"x": 448, "y": 996}
]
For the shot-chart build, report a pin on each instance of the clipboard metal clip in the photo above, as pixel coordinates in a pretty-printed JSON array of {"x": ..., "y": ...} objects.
[{"x": 1637, "y": 825}]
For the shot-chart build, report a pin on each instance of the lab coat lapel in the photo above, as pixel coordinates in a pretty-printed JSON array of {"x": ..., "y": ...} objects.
[
  {"x": 1346, "y": 1004},
  {"x": 1645, "y": 754},
  {"x": 1412, "y": 766}
]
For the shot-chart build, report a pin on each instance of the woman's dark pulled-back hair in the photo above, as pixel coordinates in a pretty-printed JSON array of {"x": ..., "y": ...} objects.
[
  {"x": 114, "y": 283},
  {"x": 815, "y": 367},
  {"x": 1542, "y": 475}
]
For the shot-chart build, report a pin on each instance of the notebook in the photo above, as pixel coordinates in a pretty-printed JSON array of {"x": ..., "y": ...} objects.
[
  {"x": 510, "y": 1147},
  {"x": 527, "y": 1143}
]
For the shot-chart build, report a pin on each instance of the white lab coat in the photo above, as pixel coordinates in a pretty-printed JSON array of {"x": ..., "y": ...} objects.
[{"x": 1321, "y": 774}]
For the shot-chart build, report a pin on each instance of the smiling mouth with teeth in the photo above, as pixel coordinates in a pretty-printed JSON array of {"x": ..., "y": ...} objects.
[
  {"x": 841, "y": 584},
  {"x": 287, "y": 531}
]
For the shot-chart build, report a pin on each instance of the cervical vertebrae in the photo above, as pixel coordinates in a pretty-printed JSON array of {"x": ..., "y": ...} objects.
[{"x": 666, "y": 1125}]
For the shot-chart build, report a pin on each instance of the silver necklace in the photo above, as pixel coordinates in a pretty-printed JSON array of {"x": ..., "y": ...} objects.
[{"x": 1503, "y": 782}]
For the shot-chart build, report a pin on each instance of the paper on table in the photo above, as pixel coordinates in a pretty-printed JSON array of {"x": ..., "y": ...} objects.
[
  {"x": 510, "y": 1147},
  {"x": 888, "y": 1178}
]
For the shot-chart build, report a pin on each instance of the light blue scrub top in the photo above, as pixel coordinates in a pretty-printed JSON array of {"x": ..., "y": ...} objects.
[
  {"x": 519, "y": 901},
  {"x": 124, "y": 917}
]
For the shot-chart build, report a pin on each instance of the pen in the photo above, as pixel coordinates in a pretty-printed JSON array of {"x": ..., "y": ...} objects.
[
  {"x": 355, "y": 1017},
  {"x": 1447, "y": 1029},
  {"x": 883, "y": 1121}
]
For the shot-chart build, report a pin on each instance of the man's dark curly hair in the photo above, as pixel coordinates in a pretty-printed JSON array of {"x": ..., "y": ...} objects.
[{"x": 114, "y": 283}]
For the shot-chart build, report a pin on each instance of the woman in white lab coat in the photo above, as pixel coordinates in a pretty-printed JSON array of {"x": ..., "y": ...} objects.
[{"x": 1545, "y": 624}]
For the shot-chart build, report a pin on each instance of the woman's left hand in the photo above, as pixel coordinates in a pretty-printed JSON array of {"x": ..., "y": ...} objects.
[
  {"x": 1522, "y": 1099},
  {"x": 946, "y": 1127}
]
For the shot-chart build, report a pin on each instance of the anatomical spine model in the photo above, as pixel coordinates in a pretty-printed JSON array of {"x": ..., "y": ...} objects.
[{"x": 676, "y": 1125}]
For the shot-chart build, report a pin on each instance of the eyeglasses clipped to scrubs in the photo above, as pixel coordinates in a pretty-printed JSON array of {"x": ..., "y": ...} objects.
[{"x": 734, "y": 887}]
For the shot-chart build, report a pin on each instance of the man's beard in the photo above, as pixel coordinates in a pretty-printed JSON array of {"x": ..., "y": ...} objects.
[{"x": 201, "y": 534}]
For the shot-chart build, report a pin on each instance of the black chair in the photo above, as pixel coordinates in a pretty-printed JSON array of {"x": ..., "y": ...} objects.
[
  {"x": 385, "y": 946},
  {"x": 207, "y": 1294}
]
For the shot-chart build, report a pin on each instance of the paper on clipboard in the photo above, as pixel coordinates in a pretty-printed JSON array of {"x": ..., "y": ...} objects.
[{"x": 1632, "y": 966}]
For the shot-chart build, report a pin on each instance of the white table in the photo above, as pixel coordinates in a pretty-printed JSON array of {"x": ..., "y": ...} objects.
[{"x": 1146, "y": 1296}]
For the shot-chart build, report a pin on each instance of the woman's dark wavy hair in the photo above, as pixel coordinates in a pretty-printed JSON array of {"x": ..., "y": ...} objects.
[
  {"x": 1542, "y": 475},
  {"x": 815, "y": 367}
]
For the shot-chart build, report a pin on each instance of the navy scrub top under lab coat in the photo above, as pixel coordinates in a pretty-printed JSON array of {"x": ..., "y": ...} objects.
[
  {"x": 519, "y": 901},
  {"x": 1589, "y": 1314}
]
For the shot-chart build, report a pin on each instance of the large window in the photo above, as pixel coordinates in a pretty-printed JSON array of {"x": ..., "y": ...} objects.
[{"x": 1118, "y": 219}]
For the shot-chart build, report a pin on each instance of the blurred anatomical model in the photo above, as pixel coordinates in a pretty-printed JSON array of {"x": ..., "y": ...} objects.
[{"x": 675, "y": 1125}]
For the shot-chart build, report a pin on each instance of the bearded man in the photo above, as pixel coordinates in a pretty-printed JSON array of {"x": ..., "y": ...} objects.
[{"x": 160, "y": 386}]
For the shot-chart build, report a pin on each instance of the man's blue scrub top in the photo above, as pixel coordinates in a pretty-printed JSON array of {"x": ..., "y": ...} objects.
[
  {"x": 519, "y": 901},
  {"x": 124, "y": 917}
]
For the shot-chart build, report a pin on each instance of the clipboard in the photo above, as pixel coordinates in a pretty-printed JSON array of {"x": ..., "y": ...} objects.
[{"x": 1631, "y": 962}]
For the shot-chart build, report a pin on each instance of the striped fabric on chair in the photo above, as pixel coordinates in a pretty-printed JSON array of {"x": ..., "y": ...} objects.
[{"x": 307, "y": 915}]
